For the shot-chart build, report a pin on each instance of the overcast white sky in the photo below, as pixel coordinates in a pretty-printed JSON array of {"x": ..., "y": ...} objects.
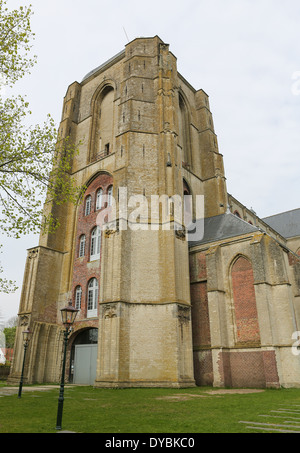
[{"x": 243, "y": 53}]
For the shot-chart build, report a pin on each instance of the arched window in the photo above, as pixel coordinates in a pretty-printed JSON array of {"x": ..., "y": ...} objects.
[
  {"x": 109, "y": 195},
  {"x": 183, "y": 136},
  {"x": 246, "y": 319},
  {"x": 103, "y": 124},
  {"x": 95, "y": 243},
  {"x": 88, "y": 204},
  {"x": 99, "y": 199},
  {"x": 92, "y": 298},
  {"x": 78, "y": 294},
  {"x": 237, "y": 214},
  {"x": 81, "y": 246}
]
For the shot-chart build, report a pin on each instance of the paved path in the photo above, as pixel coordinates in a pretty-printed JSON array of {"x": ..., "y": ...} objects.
[
  {"x": 289, "y": 415},
  {"x": 7, "y": 391}
]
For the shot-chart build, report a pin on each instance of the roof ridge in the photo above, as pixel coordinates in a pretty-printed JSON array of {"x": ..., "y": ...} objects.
[
  {"x": 98, "y": 68},
  {"x": 281, "y": 213}
]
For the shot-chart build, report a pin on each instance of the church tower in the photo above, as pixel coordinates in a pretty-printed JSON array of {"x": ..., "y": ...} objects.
[{"x": 145, "y": 134}]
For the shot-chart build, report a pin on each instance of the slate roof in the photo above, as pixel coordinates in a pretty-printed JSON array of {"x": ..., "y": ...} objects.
[
  {"x": 118, "y": 55},
  {"x": 220, "y": 227},
  {"x": 286, "y": 223}
]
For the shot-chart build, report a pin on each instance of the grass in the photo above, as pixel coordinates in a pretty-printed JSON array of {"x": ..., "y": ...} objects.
[{"x": 90, "y": 410}]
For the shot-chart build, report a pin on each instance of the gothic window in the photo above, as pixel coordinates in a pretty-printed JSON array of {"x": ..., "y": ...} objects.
[
  {"x": 109, "y": 195},
  {"x": 78, "y": 294},
  {"x": 99, "y": 199},
  {"x": 95, "y": 243},
  {"x": 184, "y": 135},
  {"x": 82, "y": 246},
  {"x": 88, "y": 204},
  {"x": 92, "y": 298},
  {"x": 103, "y": 124}
]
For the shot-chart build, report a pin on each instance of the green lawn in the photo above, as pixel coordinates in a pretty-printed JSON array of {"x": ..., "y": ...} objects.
[{"x": 89, "y": 410}]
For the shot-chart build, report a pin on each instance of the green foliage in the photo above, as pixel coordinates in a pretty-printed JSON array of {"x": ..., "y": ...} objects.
[
  {"x": 10, "y": 334},
  {"x": 15, "y": 37},
  {"x": 33, "y": 163}
]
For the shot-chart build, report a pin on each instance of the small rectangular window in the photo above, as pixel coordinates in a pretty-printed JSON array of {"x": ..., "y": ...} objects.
[
  {"x": 95, "y": 244},
  {"x": 99, "y": 199},
  {"x": 78, "y": 295},
  {"x": 82, "y": 246},
  {"x": 109, "y": 196},
  {"x": 88, "y": 203}
]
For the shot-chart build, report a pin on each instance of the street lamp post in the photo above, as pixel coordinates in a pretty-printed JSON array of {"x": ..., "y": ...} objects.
[
  {"x": 26, "y": 338},
  {"x": 68, "y": 315}
]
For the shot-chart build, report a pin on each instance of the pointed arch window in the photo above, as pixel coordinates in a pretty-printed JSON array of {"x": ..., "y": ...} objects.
[
  {"x": 95, "y": 243},
  {"x": 88, "y": 205},
  {"x": 92, "y": 298},
  {"x": 103, "y": 124},
  {"x": 78, "y": 295},
  {"x": 184, "y": 133},
  {"x": 81, "y": 246}
]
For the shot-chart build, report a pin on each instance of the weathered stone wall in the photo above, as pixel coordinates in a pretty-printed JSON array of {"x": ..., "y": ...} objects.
[
  {"x": 248, "y": 314},
  {"x": 160, "y": 133}
]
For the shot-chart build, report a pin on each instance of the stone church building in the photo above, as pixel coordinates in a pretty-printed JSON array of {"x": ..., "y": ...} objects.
[{"x": 158, "y": 308}]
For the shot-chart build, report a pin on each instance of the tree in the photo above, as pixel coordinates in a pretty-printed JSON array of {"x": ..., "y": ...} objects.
[
  {"x": 33, "y": 162},
  {"x": 10, "y": 334},
  {"x": 15, "y": 47}
]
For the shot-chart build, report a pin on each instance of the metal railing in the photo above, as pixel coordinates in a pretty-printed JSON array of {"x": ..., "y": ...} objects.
[{"x": 101, "y": 154}]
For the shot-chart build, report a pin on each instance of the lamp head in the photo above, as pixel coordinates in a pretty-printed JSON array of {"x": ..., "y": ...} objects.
[
  {"x": 68, "y": 315},
  {"x": 26, "y": 336}
]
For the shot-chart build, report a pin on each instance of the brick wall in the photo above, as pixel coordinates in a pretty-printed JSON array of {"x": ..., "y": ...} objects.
[
  {"x": 203, "y": 367},
  {"x": 247, "y": 328},
  {"x": 84, "y": 269},
  {"x": 247, "y": 365},
  {"x": 200, "y": 315},
  {"x": 199, "y": 300},
  {"x": 249, "y": 369}
]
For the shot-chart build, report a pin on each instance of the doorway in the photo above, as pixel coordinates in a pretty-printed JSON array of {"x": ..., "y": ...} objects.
[
  {"x": 84, "y": 357},
  {"x": 85, "y": 363}
]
